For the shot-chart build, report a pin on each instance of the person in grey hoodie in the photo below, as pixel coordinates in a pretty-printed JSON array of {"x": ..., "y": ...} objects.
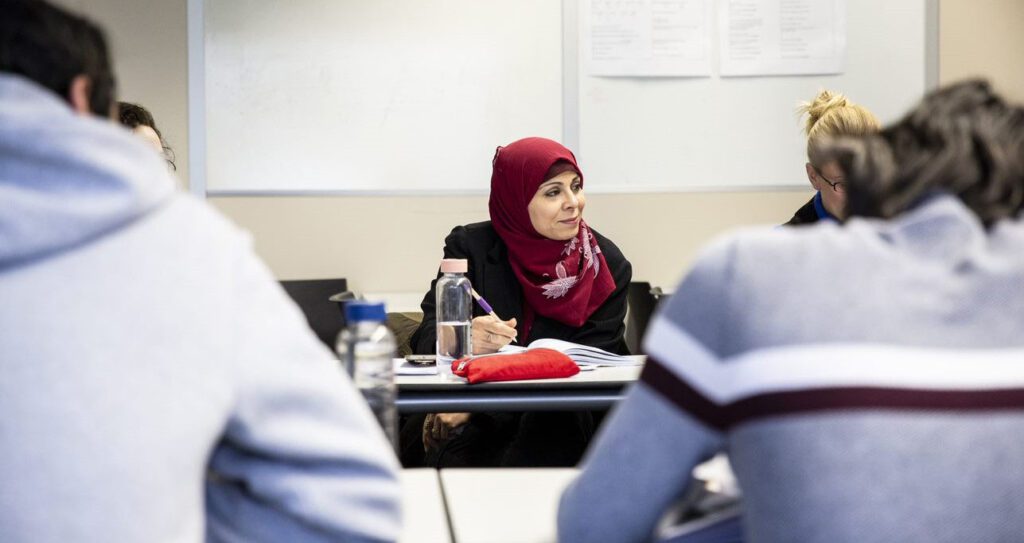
[
  {"x": 830, "y": 442},
  {"x": 156, "y": 384}
]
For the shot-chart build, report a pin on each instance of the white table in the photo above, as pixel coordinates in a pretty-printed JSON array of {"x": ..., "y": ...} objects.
[
  {"x": 425, "y": 518},
  {"x": 597, "y": 389},
  {"x": 504, "y": 505}
]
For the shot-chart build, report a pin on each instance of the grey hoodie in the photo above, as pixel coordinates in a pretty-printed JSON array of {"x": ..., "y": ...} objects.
[{"x": 155, "y": 382}]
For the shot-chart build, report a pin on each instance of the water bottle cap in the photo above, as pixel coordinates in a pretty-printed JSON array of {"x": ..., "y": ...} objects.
[
  {"x": 365, "y": 311},
  {"x": 454, "y": 265}
]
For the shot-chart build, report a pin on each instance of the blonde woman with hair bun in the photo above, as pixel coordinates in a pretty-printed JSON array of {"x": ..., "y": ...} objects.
[{"x": 829, "y": 115}]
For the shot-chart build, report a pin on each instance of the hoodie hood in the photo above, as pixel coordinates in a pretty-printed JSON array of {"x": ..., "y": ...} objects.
[{"x": 67, "y": 179}]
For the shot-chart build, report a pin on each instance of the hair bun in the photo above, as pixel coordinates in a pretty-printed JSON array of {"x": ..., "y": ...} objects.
[{"x": 825, "y": 101}]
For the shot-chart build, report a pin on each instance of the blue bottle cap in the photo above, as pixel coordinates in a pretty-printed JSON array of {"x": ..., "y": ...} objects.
[{"x": 365, "y": 311}]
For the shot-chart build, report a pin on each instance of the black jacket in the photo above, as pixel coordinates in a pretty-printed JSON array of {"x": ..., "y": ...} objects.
[
  {"x": 805, "y": 215},
  {"x": 492, "y": 276}
]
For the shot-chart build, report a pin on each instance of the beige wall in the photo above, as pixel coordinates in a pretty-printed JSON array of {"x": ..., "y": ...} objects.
[
  {"x": 392, "y": 244},
  {"x": 148, "y": 41},
  {"x": 983, "y": 38}
]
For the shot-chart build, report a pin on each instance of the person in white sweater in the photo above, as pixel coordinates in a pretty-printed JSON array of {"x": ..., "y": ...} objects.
[
  {"x": 156, "y": 384},
  {"x": 865, "y": 378}
]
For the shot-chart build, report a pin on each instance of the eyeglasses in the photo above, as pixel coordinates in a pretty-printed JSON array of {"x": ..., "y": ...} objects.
[{"x": 839, "y": 186}]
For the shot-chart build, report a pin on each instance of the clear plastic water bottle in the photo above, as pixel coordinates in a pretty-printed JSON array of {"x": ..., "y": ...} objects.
[
  {"x": 366, "y": 348},
  {"x": 454, "y": 315}
]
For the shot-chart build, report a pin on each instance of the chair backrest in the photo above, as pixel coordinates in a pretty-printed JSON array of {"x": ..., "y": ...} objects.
[
  {"x": 641, "y": 300},
  {"x": 403, "y": 325},
  {"x": 324, "y": 315}
]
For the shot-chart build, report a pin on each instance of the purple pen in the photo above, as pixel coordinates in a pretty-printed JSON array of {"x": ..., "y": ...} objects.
[{"x": 486, "y": 306}]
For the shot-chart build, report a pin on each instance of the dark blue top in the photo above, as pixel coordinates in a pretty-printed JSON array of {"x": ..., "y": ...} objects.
[{"x": 819, "y": 208}]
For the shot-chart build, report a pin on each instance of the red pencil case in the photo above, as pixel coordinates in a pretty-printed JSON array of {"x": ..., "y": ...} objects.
[{"x": 532, "y": 364}]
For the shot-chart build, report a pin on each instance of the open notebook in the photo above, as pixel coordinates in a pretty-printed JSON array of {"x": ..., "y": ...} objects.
[{"x": 581, "y": 354}]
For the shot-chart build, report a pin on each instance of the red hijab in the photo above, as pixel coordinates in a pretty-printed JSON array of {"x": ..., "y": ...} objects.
[{"x": 563, "y": 280}]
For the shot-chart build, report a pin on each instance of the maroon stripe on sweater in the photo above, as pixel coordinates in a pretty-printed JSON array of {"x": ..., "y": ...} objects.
[
  {"x": 680, "y": 393},
  {"x": 824, "y": 399}
]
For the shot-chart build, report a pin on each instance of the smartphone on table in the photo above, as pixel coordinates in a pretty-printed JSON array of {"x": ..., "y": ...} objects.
[{"x": 421, "y": 359}]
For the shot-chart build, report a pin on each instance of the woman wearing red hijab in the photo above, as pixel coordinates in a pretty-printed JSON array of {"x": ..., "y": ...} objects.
[{"x": 550, "y": 275}]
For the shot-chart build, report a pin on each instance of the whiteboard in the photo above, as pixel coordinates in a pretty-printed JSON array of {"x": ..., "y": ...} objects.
[
  {"x": 375, "y": 95},
  {"x": 413, "y": 96}
]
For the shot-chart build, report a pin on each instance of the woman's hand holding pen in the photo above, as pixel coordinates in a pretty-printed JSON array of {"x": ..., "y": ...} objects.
[{"x": 491, "y": 334}]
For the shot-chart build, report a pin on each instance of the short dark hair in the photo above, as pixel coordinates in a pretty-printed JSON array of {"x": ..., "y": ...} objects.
[
  {"x": 52, "y": 46},
  {"x": 134, "y": 115},
  {"x": 963, "y": 140}
]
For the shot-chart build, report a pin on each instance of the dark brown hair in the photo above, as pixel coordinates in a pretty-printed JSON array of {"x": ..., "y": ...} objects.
[
  {"x": 52, "y": 46},
  {"x": 963, "y": 140},
  {"x": 134, "y": 115}
]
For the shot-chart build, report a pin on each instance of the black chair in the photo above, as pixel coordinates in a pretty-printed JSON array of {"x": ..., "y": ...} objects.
[
  {"x": 641, "y": 299},
  {"x": 322, "y": 302}
]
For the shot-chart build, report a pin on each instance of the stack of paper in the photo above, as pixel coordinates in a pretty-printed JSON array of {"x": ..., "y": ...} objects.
[{"x": 581, "y": 354}]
